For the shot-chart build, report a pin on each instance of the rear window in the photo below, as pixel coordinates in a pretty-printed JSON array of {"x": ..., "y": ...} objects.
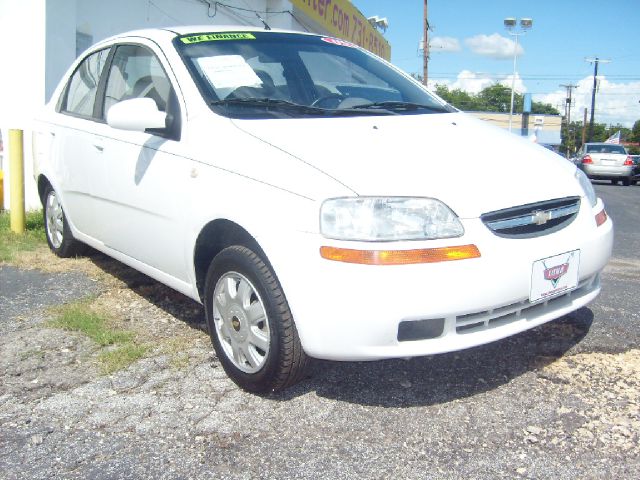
[{"x": 607, "y": 148}]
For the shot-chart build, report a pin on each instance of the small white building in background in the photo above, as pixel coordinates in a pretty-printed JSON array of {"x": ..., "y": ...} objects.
[{"x": 39, "y": 39}]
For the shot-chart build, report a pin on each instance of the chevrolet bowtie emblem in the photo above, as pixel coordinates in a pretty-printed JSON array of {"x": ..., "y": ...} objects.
[{"x": 540, "y": 217}]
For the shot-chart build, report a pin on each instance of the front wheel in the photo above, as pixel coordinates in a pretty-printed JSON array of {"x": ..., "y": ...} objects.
[
  {"x": 59, "y": 236},
  {"x": 250, "y": 324}
]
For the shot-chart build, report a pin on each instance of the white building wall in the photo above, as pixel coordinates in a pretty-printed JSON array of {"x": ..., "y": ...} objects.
[{"x": 22, "y": 78}]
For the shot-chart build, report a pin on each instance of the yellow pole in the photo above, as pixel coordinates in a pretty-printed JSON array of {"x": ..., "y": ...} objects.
[{"x": 16, "y": 180}]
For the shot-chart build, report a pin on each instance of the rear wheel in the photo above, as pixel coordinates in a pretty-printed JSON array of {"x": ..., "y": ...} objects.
[
  {"x": 59, "y": 236},
  {"x": 250, "y": 324},
  {"x": 626, "y": 181},
  {"x": 614, "y": 182}
]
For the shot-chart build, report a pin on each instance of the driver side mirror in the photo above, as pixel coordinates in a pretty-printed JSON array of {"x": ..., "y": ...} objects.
[{"x": 137, "y": 114}]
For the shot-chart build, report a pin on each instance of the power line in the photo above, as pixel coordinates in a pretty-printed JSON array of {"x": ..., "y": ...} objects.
[{"x": 534, "y": 76}]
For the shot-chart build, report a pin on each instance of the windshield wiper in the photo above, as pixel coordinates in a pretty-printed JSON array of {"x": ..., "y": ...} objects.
[
  {"x": 401, "y": 106},
  {"x": 277, "y": 104},
  {"x": 269, "y": 103}
]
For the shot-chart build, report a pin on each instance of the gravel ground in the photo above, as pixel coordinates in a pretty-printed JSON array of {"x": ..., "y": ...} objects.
[{"x": 561, "y": 401}]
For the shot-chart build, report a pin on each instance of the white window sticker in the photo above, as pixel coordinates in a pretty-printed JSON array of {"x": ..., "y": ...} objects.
[{"x": 228, "y": 71}]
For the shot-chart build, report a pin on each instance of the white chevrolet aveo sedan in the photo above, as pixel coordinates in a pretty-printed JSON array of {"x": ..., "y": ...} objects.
[{"x": 312, "y": 197}]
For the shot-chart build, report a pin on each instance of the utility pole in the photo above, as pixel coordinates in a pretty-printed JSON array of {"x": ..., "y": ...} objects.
[
  {"x": 595, "y": 62},
  {"x": 567, "y": 116},
  {"x": 425, "y": 47},
  {"x": 584, "y": 126}
]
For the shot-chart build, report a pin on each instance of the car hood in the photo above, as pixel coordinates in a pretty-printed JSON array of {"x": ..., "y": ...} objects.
[{"x": 471, "y": 166}]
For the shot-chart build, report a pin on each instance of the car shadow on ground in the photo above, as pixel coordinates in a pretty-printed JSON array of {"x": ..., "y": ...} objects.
[
  {"x": 176, "y": 304},
  {"x": 393, "y": 383},
  {"x": 442, "y": 378}
]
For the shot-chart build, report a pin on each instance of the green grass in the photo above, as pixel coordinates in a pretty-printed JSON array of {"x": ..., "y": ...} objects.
[
  {"x": 121, "y": 357},
  {"x": 79, "y": 317},
  {"x": 121, "y": 348},
  {"x": 13, "y": 243}
]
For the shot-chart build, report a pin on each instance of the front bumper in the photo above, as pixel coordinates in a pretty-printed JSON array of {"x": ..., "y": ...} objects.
[{"x": 353, "y": 312}]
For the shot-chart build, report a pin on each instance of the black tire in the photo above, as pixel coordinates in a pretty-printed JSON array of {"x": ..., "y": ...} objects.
[
  {"x": 56, "y": 227},
  {"x": 282, "y": 362},
  {"x": 626, "y": 181},
  {"x": 614, "y": 182}
]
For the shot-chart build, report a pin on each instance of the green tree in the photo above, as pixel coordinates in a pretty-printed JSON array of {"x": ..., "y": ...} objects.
[
  {"x": 572, "y": 136},
  {"x": 497, "y": 98},
  {"x": 635, "y": 132},
  {"x": 539, "y": 108},
  {"x": 494, "y": 98},
  {"x": 456, "y": 97}
]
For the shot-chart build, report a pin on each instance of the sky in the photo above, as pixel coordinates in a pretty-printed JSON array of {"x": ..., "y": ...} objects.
[{"x": 471, "y": 49}]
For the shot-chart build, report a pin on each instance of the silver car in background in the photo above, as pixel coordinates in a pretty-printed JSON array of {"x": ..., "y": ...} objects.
[{"x": 606, "y": 161}]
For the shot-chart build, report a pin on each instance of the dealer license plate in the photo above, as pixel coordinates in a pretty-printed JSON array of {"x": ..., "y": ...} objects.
[{"x": 554, "y": 276}]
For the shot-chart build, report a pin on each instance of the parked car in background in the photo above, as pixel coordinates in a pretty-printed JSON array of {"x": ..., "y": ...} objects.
[
  {"x": 306, "y": 192},
  {"x": 606, "y": 161},
  {"x": 636, "y": 169}
]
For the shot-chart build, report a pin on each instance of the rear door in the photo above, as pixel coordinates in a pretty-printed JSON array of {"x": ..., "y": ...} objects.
[{"x": 77, "y": 145}]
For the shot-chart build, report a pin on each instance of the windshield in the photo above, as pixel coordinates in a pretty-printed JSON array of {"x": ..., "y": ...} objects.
[{"x": 284, "y": 75}]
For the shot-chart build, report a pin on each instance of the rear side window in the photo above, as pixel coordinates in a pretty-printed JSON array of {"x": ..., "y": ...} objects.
[{"x": 80, "y": 95}]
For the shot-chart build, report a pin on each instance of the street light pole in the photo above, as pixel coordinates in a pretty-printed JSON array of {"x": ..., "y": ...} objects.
[
  {"x": 513, "y": 79},
  {"x": 509, "y": 24}
]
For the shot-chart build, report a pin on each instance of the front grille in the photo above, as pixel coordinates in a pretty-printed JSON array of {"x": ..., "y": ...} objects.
[{"x": 533, "y": 219}]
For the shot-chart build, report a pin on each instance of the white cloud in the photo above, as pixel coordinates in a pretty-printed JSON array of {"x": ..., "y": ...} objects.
[
  {"x": 615, "y": 102},
  {"x": 494, "y": 46},
  {"x": 518, "y": 85},
  {"x": 474, "y": 83},
  {"x": 444, "y": 44}
]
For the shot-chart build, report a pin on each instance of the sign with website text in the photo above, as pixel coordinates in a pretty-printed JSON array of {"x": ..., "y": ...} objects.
[{"x": 345, "y": 21}]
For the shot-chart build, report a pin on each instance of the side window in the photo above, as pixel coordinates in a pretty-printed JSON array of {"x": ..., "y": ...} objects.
[
  {"x": 136, "y": 73},
  {"x": 80, "y": 94}
]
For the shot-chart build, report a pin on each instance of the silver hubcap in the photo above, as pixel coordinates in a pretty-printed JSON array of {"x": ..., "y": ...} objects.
[
  {"x": 241, "y": 322},
  {"x": 55, "y": 220}
]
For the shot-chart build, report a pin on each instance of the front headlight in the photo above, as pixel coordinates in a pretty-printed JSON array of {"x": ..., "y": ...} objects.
[
  {"x": 386, "y": 219},
  {"x": 585, "y": 183}
]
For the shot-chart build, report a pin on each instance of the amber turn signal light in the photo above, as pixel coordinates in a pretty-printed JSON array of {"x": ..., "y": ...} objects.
[
  {"x": 400, "y": 257},
  {"x": 601, "y": 218}
]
